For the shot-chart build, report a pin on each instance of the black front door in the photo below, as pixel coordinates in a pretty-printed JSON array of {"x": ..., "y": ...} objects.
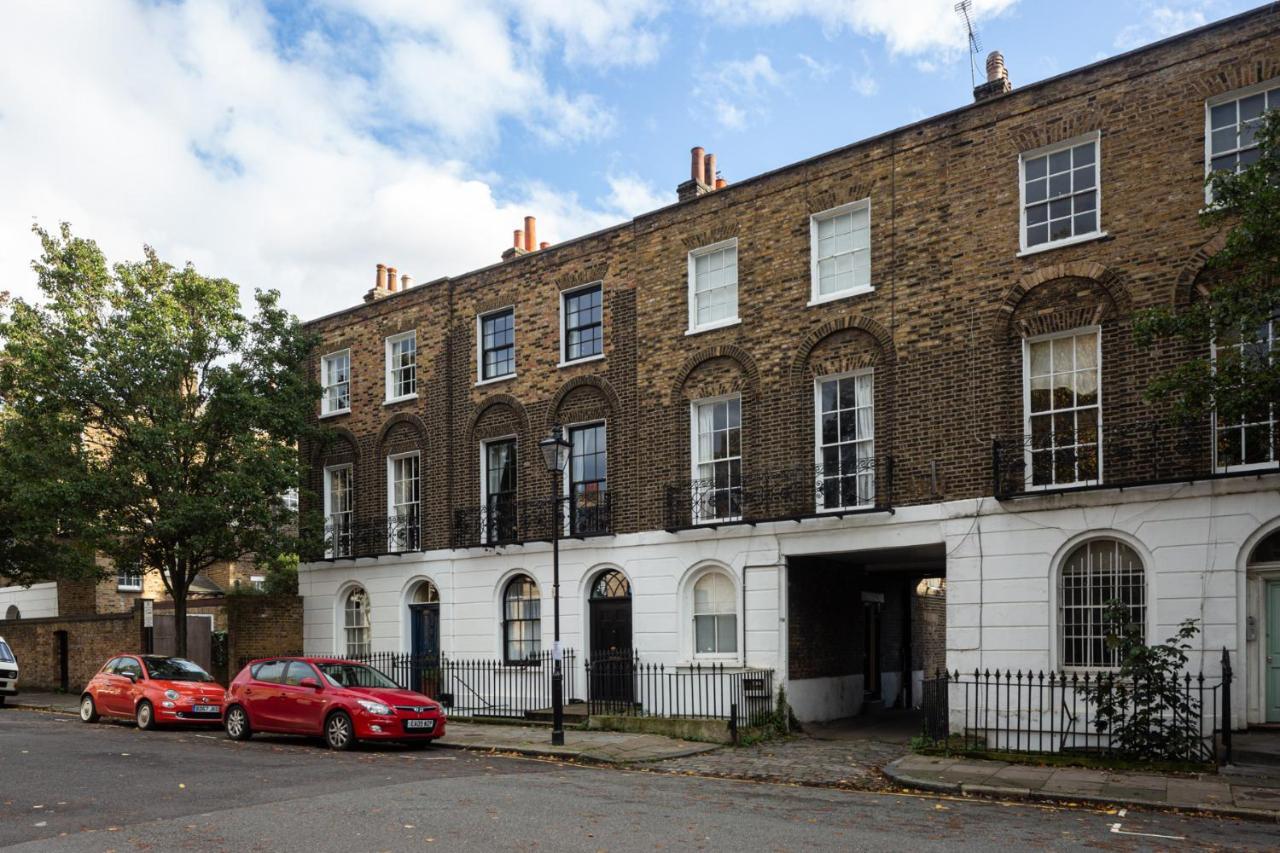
[
  {"x": 425, "y": 640},
  {"x": 612, "y": 663}
]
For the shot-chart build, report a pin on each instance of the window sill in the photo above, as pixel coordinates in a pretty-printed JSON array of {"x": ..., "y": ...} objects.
[
  {"x": 334, "y": 414},
  {"x": 128, "y": 589},
  {"x": 494, "y": 380},
  {"x": 711, "y": 327},
  {"x": 585, "y": 360},
  {"x": 1058, "y": 244},
  {"x": 728, "y": 661},
  {"x": 1252, "y": 466},
  {"x": 392, "y": 401},
  {"x": 836, "y": 297},
  {"x": 1029, "y": 489}
]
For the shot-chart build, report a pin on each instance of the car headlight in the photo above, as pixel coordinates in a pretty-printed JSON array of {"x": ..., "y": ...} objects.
[
  {"x": 171, "y": 694},
  {"x": 374, "y": 707}
]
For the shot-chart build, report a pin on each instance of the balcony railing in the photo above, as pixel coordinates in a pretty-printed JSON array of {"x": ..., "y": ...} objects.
[
  {"x": 1125, "y": 454},
  {"x": 803, "y": 491},
  {"x": 504, "y": 521},
  {"x": 345, "y": 537}
]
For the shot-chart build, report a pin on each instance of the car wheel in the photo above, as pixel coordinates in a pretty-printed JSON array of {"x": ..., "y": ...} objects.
[
  {"x": 88, "y": 711},
  {"x": 145, "y": 716},
  {"x": 237, "y": 723},
  {"x": 339, "y": 733}
]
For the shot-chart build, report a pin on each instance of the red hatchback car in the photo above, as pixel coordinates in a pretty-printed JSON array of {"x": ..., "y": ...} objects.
[
  {"x": 153, "y": 690},
  {"x": 340, "y": 700}
]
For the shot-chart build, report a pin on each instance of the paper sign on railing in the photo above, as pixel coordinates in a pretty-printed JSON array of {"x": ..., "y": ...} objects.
[{"x": 555, "y": 650}]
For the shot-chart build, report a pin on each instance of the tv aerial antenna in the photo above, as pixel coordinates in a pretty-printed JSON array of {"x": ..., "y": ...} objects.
[{"x": 964, "y": 9}]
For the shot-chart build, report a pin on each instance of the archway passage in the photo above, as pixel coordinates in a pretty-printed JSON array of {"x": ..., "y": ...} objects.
[
  {"x": 424, "y": 638},
  {"x": 612, "y": 670}
]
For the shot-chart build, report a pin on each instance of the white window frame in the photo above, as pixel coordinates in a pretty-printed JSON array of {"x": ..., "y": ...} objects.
[
  {"x": 695, "y": 461},
  {"x": 815, "y": 296},
  {"x": 393, "y": 370},
  {"x": 484, "y": 479},
  {"x": 128, "y": 580},
  {"x": 1026, "y": 409},
  {"x": 736, "y": 654},
  {"x": 692, "y": 296},
  {"x": 1219, "y": 100},
  {"x": 258, "y": 581},
  {"x": 565, "y": 361},
  {"x": 366, "y": 628},
  {"x": 392, "y": 459},
  {"x": 325, "y": 411},
  {"x": 328, "y": 498},
  {"x": 818, "y": 445},
  {"x": 1274, "y": 421},
  {"x": 1045, "y": 150},
  {"x": 480, "y": 318},
  {"x": 566, "y": 480}
]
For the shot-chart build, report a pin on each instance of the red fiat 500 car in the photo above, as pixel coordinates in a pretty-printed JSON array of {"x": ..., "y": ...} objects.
[
  {"x": 340, "y": 700},
  {"x": 153, "y": 690}
]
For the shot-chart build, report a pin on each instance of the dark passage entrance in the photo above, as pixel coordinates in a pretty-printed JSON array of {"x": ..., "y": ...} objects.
[{"x": 612, "y": 678}]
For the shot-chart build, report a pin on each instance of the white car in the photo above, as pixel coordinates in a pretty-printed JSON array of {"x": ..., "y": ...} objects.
[{"x": 8, "y": 672}]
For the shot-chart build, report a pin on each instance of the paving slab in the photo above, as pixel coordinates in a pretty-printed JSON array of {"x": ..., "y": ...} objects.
[{"x": 1198, "y": 792}]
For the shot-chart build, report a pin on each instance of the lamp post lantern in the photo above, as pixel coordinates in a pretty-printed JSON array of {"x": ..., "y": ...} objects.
[{"x": 555, "y": 452}]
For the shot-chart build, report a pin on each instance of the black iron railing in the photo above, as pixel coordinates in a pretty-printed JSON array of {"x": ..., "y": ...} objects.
[
  {"x": 1059, "y": 712},
  {"x": 346, "y": 537},
  {"x": 626, "y": 686},
  {"x": 475, "y": 687},
  {"x": 1123, "y": 454},
  {"x": 503, "y": 521},
  {"x": 802, "y": 491}
]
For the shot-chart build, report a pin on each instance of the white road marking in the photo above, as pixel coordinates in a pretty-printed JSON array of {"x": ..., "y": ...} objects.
[
  {"x": 210, "y": 737},
  {"x": 1115, "y": 828},
  {"x": 1123, "y": 812}
]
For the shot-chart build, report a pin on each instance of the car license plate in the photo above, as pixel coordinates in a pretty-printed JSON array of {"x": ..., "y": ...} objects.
[
  {"x": 205, "y": 709},
  {"x": 426, "y": 725}
]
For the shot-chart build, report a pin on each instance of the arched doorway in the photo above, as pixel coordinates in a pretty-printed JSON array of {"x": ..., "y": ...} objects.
[
  {"x": 612, "y": 672},
  {"x": 424, "y": 638},
  {"x": 1264, "y": 570}
]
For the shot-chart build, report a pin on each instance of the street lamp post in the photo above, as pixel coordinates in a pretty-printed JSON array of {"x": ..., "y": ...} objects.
[{"x": 555, "y": 452}]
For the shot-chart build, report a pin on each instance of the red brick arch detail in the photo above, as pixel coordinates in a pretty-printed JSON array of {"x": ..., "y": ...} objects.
[
  {"x": 750, "y": 373},
  {"x": 419, "y": 426},
  {"x": 1108, "y": 279},
  {"x": 878, "y": 332},
  {"x": 1187, "y": 286},
  {"x": 325, "y": 445},
  {"x": 498, "y": 400},
  {"x": 598, "y": 382}
]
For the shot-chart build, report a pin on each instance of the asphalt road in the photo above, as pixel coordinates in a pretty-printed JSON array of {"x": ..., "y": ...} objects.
[{"x": 68, "y": 786}]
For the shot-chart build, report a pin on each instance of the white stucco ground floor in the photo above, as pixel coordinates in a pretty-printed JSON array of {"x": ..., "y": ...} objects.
[{"x": 837, "y": 607}]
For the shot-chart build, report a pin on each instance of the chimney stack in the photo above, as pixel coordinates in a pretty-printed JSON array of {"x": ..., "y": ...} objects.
[
  {"x": 380, "y": 286},
  {"x": 530, "y": 233},
  {"x": 524, "y": 241},
  {"x": 702, "y": 175},
  {"x": 997, "y": 79}
]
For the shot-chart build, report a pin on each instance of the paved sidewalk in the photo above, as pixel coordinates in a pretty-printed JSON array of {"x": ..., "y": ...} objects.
[
  {"x": 1219, "y": 794},
  {"x": 595, "y": 746}
]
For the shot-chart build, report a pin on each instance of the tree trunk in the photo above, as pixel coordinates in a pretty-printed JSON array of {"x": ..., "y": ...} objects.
[{"x": 179, "y": 582}]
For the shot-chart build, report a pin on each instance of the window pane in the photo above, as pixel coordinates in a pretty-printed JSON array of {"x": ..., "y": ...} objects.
[
  {"x": 704, "y": 634},
  {"x": 1037, "y": 190},
  {"x": 1082, "y": 155},
  {"x": 727, "y": 634},
  {"x": 1036, "y": 168}
]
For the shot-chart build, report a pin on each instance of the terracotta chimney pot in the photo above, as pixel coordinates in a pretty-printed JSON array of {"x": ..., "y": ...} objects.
[
  {"x": 995, "y": 67},
  {"x": 544, "y": 244},
  {"x": 380, "y": 281},
  {"x": 517, "y": 240},
  {"x": 391, "y": 279},
  {"x": 720, "y": 183},
  {"x": 530, "y": 231},
  {"x": 709, "y": 170},
  {"x": 697, "y": 164}
]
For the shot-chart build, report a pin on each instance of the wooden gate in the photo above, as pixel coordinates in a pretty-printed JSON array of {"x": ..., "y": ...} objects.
[{"x": 199, "y": 638}]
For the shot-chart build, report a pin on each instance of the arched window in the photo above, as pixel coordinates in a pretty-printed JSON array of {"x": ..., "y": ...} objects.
[
  {"x": 1267, "y": 551},
  {"x": 425, "y": 593},
  {"x": 611, "y": 584},
  {"x": 1095, "y": 575},
  {"x": 715, "y": 616},
  {"x": 12, "y": 612},
  {"x": 521, "y": 621},
  {"x": 355, "y": 622}
]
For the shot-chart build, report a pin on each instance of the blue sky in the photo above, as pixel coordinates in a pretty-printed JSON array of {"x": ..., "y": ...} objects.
[{"x": 294, "y": 145}]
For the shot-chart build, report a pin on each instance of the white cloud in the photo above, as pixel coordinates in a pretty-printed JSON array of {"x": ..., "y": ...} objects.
[
  {"x": 1161, "y": 22},
  {"x": 739, "y": 90},
  {"x": 915, "y": 27},
  {"x": 190, "y": 127},
  {"x": 817, "y": 69}
]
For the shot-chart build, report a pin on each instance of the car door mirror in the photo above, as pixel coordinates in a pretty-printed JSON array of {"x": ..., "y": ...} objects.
[
  {"x": 132, "y": 676},
  {"x": 309, "y": 682}
]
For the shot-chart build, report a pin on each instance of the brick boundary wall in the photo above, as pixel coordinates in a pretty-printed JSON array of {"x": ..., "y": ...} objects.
[
  {"x": 261, "y": 626},
  {"x": 91, "y": 641}
]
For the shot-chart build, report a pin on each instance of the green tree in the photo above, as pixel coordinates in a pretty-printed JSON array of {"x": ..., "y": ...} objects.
[
  {"x": 146, "y": 419},
  {"x": 1230, "y": 370}
]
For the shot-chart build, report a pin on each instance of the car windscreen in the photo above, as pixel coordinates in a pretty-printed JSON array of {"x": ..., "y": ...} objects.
[
  {"x": 175, "y": 669},
  {"x": 6, "y": 654},
  {"x": 355, "y": 675}
]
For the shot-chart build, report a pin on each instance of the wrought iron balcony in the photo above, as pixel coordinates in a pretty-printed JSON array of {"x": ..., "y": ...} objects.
[
  {"x": 1135, "y": 453},
  {"x": 803, "y": 491},
  {"x": 345, "y": 537},
  {"x": 504, "y": 521}
]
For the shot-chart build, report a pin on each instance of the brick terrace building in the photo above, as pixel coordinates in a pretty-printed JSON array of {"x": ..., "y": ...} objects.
[{"x": 795, "y": 398}]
